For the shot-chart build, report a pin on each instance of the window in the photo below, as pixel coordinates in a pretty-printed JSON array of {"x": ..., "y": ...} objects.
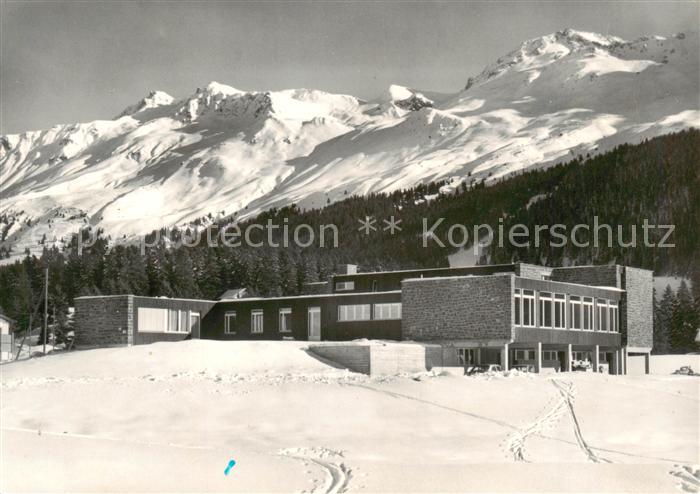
[
  {"x": 528, "y": 308},
  {"x": 559, "y": 311},
  {"x": 545, "y": 310},
  {"x": 550, "y": 355},
  {"x": 614, "y": 312},
  {"x": 518, "y": 306},
  {"x": 374, "y": 285},
  {"x": 524, "y": 355},
  {"x": 184, "y": 320},
  {"x": 256, "y": 321},
  {"x": 152, "y": 320},
  {"x": 581, "y": 356},
  {"x": 230, "y": 323},
  {"x": 172, "y": 320},
  {"x": 602, "y": 314},
  {"x": 468, "y": 356},
  {"x": 587, "y": 309},
  {"x": 354, "y": 312},
  {"x": 387, "y": 311},
  {"x": 574, "y": 312},
  {"x": 343, "y": 286},
  {"x": 285, "y": 320}
]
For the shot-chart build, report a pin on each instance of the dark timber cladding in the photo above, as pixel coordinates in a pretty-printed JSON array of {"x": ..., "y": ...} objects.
[
  {"x": 214, "y": 326},
  {"x": 145, "y": 334}
]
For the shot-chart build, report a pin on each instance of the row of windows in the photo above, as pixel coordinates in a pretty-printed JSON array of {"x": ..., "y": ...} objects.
[
  {"x": 151, "y": 320},
  {"x": 256, "y": 321},
  {"x": 345, "y": 286},
  {"x": 342, "y": 286},
  {"x": 359, "y": 312},
  {"x": 362, "y": 312},
  {"x": 530, "y": 355},
  {"x": 584, "y": 313}
]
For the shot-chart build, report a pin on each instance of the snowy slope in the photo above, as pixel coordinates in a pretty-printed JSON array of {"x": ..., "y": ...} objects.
[
  {"x": 168, "y": 417},
  {"x": 165, "y": 162}
]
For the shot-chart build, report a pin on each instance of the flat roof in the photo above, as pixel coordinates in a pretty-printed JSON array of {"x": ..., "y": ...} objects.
[
  {"x": 456, "y": 277},
  {"x": 319, "y": 295},
  {"x": 485, "y": 266},
  {"x": 249, "y": 299},
  {"x": 146, "y": 296},
  {"x": 609, "y": 288}
]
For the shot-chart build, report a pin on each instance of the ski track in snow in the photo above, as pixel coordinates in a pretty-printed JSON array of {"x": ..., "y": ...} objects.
[
  {"x": 567, "y": 391},
  {"x": 688, "y": 477},
  {"x": 438, "y": 405},
  {"x": 547, "y": 420},
  {"x": 513, "y": 427},
  {"x": 337, "y": 475}
]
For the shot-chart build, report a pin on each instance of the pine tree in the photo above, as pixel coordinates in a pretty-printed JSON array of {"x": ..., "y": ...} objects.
[
  {"x": 683, "y": 322},
  {"x": 663, "y": 311}
]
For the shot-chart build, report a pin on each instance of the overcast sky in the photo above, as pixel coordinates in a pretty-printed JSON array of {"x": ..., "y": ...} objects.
[{"x": 67, "y": 62}]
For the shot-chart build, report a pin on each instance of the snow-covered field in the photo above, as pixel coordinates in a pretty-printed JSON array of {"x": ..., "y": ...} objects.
[{"x": 171, "y": 416}]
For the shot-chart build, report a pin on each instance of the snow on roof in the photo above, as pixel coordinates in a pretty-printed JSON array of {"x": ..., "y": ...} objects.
[
  {"x": 292, "y": 297},
  {"x": 428, "y": 269},
  {"x": 234, "y": 293},
  {"x": 145, "y": 296}
]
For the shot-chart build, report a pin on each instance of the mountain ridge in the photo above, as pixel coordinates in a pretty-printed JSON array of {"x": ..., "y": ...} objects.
[{"x": 222, "y": 151}]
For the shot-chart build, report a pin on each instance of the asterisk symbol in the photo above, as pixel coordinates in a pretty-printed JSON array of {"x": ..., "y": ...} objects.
[
  {"x": 367, "y": 225},
  {"x": 392, "y": 225}
]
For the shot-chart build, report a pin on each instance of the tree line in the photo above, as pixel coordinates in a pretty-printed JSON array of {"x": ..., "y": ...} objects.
[
  {"x": 657, "y": 180},
  {"x": 676, "y": 320}
]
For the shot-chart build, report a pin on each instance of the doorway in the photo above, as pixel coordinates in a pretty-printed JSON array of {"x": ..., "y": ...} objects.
[{"x": 314, "y": 324}]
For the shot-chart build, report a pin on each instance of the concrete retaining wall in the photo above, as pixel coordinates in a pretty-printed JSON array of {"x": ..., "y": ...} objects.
[
  {"x": 395, "y": 359},
  {"x": 380, "y": 359},
  {"x": 354, "y": 357}
]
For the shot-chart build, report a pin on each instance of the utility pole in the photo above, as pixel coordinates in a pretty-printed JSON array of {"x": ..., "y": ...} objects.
[{"x": 46, "y": 307}]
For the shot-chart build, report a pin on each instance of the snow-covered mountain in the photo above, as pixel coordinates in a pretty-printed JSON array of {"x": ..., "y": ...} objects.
[{"x": 166, "y": 161}]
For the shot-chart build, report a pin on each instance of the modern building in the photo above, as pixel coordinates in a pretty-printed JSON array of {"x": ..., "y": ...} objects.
[{"x": 512, "y": 314}]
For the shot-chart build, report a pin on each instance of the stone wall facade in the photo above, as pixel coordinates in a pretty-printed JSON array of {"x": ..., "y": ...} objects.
[
  {"x": 608, "y": 275},
  {"x": 532, "y": 271},
  {"x": 637, "y": 308},
  {"x": 458, "y": 308},
  {"x": 104, "y": 321}
]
